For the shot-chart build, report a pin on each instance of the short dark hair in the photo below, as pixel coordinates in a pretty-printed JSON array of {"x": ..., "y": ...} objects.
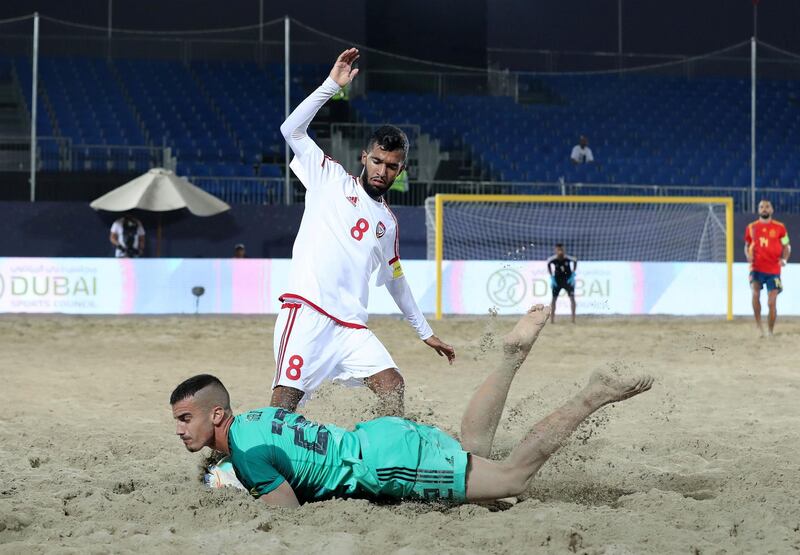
[
  {"x": 389, "y": 138},
  {"x": 559, "y": 245},
  {"x": 189, "y": 388}
]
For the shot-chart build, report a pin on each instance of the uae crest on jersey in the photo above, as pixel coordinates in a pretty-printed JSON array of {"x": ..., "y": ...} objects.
[
  {"x": 353, "y": 200},
  {"x": 380, "y": 231}
]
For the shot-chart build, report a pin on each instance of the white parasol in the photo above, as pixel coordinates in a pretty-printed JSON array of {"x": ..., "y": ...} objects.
[{"x": 160, "y": 190}]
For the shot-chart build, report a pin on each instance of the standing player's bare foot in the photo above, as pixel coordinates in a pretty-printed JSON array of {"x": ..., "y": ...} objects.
[
  {"x": 520, "y": 340},
  {"x": 604, "y": 388}
]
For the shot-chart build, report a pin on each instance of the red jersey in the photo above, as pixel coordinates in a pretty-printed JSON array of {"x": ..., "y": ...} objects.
[{"x": 765, "y": 243}]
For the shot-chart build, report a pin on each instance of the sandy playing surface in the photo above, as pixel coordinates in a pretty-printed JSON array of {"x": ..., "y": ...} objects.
[{"x": 707, "y": 462}]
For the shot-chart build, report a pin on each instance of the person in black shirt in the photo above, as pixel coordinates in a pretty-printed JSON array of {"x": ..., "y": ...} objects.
[{"x": 561, "y": 268}]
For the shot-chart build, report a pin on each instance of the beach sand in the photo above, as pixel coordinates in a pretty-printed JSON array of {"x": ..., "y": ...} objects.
[{"x": 706, "y": 462}]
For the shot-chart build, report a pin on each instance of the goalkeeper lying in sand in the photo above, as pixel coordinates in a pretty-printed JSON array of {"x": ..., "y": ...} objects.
[{"x": 283, "y": 459}]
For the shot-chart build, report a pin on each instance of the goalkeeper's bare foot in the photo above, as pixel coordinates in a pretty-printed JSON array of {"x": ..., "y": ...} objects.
[
  {"x": 604, "y": 388},
  {"x": 520, "y": 340}
]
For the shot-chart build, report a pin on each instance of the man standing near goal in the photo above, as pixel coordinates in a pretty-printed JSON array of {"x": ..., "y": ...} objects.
[
  {"x": 347, "y": 232},
  {"x": 766, "y": 245},
  {"x": 561, "y": 268}
]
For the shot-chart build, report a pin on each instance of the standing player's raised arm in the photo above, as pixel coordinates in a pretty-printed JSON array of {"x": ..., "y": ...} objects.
[
  {"x": 310, "y": 163},
  {"x": 295, "y": 128}
]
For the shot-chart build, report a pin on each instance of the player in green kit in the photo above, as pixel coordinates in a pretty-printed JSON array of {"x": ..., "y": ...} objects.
[
  {"x": 284, "y": 459},
  {"x": 269, "y": 446}
]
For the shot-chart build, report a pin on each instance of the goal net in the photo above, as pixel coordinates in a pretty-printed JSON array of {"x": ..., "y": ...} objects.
[{"x": 517, "y": 228}]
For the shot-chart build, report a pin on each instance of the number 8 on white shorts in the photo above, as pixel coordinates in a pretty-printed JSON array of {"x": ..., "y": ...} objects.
[{"x": 311, "y": 348}]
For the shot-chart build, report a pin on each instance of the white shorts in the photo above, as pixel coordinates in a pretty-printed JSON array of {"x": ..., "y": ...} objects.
[{"x": 310, "y": 348}]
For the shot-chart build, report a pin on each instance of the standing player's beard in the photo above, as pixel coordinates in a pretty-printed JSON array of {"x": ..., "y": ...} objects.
[
  {"x": 764, "y": 216},
  {"x": 371, "y": 189}
]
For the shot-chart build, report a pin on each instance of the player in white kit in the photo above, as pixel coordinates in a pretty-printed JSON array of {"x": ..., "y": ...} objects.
[{"x": 347, "y": 232}]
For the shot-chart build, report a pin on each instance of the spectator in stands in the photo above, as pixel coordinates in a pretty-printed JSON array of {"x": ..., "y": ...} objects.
[
  {"x": 127, "y": 236},
  {"x": 239, "y": 252},
  {"x": 581, "y": 153}
]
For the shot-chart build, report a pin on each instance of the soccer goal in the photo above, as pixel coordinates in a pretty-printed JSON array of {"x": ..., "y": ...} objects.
[{"x": 512, "y": 229}]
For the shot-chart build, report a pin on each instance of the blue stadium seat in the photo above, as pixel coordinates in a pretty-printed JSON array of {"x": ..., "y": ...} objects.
[{"x": 222, "y": 118}]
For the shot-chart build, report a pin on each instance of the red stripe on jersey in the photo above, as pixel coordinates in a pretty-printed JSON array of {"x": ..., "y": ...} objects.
[
  {"x": 278, "y": 358},
  {"x": 326, "y": 157},
  {"x": 287, "y": 331},
  {"x": 351, "y": 325},
  {"x": 292, "y": 318},
  {"x": 280, "y": 350},
  {"x": 396, "y": 233}
]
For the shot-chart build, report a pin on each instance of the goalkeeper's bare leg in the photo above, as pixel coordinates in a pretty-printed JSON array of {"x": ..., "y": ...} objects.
[
  {"x": 482, "y": 415},
  {"x": 572, "y": 305},
  {"x": 488, "y": 480}
]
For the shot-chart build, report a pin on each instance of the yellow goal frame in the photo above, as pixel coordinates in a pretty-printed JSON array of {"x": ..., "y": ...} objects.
[{"x": 588, "y": 199}]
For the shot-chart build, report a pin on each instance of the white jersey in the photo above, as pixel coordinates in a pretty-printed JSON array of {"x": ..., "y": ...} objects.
[{"x": 345, "y": 235}]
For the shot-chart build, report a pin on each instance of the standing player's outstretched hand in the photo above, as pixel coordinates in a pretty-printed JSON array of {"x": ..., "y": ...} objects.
[
  {"x": 442, "y": 348},
  {"x": 342, "y": 71}
]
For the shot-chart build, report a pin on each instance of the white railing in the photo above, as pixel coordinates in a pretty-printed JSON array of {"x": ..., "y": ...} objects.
[{"x": 260, "y": 190}]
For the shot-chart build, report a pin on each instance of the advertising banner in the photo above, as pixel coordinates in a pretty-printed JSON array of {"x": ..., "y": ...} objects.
[{"x": 252, "y": 286}]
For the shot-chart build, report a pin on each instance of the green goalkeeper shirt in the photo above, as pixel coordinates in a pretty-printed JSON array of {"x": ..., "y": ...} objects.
[{"x": 270, "y": 445}]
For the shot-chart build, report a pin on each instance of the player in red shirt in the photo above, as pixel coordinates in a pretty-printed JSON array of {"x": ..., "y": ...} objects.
[{"x": 766, "y": 245}]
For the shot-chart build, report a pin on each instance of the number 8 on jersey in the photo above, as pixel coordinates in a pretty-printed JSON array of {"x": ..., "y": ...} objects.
[{"x": 358, "y": 230}]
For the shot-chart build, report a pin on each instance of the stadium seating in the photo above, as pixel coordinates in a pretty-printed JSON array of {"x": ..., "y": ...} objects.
[
  {"x": 643, "y": 130},
  {"x": 221, "y": 120}
]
